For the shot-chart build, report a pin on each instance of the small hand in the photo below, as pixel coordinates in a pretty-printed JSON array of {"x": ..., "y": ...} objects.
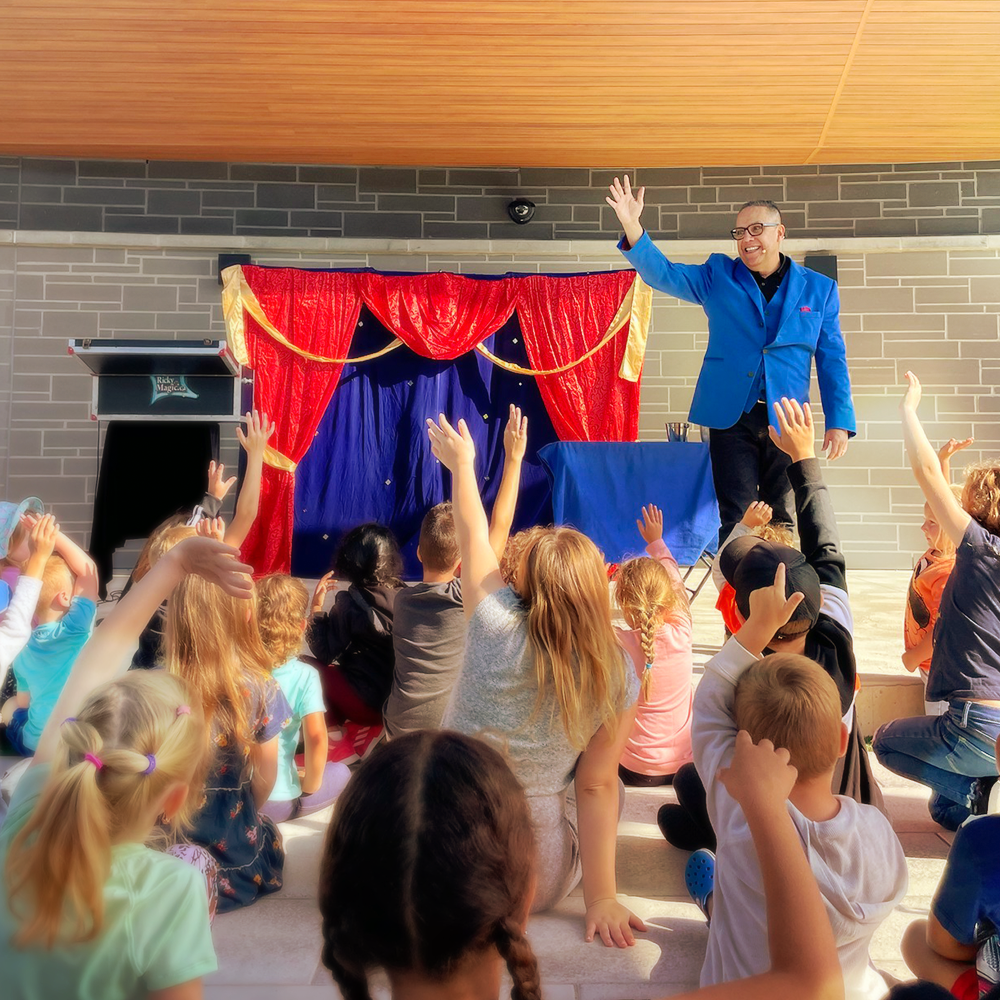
[
  {"x": 323, "y": 587},
  {"x": 911, "y": 661},
  {"x": 211, "y": 527},
  {"x": 835, "y": 443},
  {"x": 613, "y": 923},
  {"x": 769, "y": 608},
  {"x": 216, "y": 562},
  {"x": 758, "y": 777},
  {"x": 515, "y": 435},
  {"x": 795, "y": 435},
  {"x": 651, "y": 525},
  {"x": 42, "y": 539},
  {"x": 628, "y": 207},
  {"x": 952, "y": 447},
  {"x": 757, "y": 515},
  {"x": 451, "y": 447},
  {"x": 217, "y": 486},
  {"x": 911, "y": 398},
  {"x": 259, "y": 430}
]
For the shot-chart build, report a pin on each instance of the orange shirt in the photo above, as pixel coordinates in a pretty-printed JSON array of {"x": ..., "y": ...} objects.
[{"x": 923, "y": 597}]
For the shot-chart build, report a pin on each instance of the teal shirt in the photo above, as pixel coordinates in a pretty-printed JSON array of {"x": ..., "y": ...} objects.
[
  {"x": 156, "y": 932},
  {"x": 43, "y": 666},
  {"x": 300, "y": 684}
]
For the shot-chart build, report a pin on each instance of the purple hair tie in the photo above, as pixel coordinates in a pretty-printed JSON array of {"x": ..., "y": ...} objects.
[
  {"x": 69, "y": 718},
  {"x": 94, "y": 759},
  {"x": 152, "y": 764}
]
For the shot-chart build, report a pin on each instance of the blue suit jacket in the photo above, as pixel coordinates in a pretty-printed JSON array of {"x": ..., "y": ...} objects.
[{"x": 809, "y": 326}]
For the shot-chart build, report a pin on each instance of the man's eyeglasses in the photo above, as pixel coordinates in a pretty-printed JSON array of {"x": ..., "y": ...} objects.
[{"x": 754, "y": 229}]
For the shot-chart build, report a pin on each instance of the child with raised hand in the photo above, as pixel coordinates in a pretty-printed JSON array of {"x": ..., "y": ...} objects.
[
  {"x": 428, "y": 630},
  {"x": 14, "y": 531},
  {"x": 353, "y": 641},
  {"x": 654, "y": 603},
  {"x": 953, "y": 751},
  {"x": 254, "y": 441},
  {"x": 65, "y": 612},
  {"x": 283, "y": 606},
  {"x": 927, "y": 583},
  {"x": 428, "y": 875},
  {"x": 89, "y": 911},
  {"x": 855, "y": 855},
  {"x": 545, "y": 675}
]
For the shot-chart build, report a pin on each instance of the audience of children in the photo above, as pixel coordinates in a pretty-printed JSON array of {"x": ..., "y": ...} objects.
[
  {"x": 428, "y": 633},
  {"x": 427, "y": 874},
  {"x": 203, "y": 755},
  {"x": 283, "y": 605},
  {"x": 654, "y": 604},
  {"x": 545, "y": 675},
  {"x": 930, "y": 574},
  {"x": 65, "y": 616},
  {"x": 88, "y": 910}
]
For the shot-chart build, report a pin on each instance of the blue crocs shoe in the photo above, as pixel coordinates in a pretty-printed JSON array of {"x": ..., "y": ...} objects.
[{"x": 699, "y": 879}]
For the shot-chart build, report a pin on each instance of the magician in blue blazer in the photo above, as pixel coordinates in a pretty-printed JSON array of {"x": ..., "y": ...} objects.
[{"x": 768, "y": 317}]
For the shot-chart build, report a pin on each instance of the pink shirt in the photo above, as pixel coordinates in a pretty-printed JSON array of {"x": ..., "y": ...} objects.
[{"x": 660, "y": 741}]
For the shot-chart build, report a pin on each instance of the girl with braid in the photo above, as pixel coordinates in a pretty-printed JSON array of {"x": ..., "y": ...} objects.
[
  {"x": 87, "y": 909},
  {"x": 428, "y": 873},
  {"x": 654, "y": 604}
]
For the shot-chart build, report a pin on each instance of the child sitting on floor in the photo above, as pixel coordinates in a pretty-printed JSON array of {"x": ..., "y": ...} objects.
[
  {"x": 66, "y": 611},
  {"x": 931, "y": 573},
  {"x": 283, "y": 603},
  {"x": 428, "y": 874},
  {"x": 428, "y": 632},
  {"x": 954, "y": 751},
  {"x": 852, "y": 848},
  {"x": 958, "y": 945},
  {"x": 88, "y": 909},
  {"x": 353, "y": 641},
  {"x": 654, "y": 603}
]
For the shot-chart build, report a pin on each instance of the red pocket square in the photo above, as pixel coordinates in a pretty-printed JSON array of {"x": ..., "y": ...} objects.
[{"x": 804, "y": 309}]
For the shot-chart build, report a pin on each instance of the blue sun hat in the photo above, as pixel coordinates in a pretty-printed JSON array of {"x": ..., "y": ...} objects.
[{"x": 10, "y": 518}]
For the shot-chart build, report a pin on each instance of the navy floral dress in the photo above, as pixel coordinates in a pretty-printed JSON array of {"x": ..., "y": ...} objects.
[{"x": 246, "y": 845}]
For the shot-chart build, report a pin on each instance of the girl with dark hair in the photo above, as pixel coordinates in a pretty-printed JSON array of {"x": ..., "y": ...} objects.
[
  {"x": 428, "y": 874},
  {"x": 353, "y": 641}
]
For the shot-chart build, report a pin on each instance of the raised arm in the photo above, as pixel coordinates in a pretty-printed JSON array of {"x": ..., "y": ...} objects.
[
  {"x": 951, "y": 447},
  {"x": 456, "y": 451},
  {"x": 651, "y": 529},
  {"x": 80, "y": 565},
  {"x": 927, "y": 467},
  {"x": 628, "y": 207},
  {"x": 804, "y": 961},
  {"x": 515, "y": 444},
  {"x": 105, "y": 655},
  {"x": 254, "y": 441}
]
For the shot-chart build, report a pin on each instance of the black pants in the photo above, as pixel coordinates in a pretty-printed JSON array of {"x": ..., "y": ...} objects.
[
  {"x": 748, "y": 466},
  {"x": 686, "y": 826}
]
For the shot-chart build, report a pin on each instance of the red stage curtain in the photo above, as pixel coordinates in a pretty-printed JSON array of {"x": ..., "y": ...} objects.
[
  {"x": 562, "y": 318},
  {"x": 317, "y": 311},
  {"x": 439, "y": 315}
]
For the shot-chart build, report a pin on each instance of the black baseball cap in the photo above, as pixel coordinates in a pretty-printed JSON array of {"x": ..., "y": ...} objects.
[{"x": 749, "y": 563}]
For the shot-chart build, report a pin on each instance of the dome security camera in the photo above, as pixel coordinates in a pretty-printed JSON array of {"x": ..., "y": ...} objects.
[{"x": 521, "y": 211}]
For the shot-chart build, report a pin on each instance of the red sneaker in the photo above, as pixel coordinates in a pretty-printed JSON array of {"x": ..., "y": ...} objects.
[
  {"x": 341, "y": 746},
  {"x": 363, "y": 738}
]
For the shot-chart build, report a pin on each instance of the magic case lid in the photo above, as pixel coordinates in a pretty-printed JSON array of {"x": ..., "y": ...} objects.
[{"x": 107, "y": 356}]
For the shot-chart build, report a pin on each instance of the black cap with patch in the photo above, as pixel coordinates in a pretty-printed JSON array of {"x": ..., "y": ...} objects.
[{"x": 749, "y": 563}]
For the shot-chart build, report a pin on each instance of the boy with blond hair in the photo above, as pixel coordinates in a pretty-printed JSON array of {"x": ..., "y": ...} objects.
[
  {"x": 66, "y": 611},
  {"x": 854, "y": 854}
]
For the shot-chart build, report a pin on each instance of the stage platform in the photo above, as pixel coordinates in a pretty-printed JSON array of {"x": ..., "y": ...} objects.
[{"x": 271, "y": 951}]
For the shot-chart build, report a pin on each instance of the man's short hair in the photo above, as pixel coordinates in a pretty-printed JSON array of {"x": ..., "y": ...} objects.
[
  {"x": 56, "y": 576},
  {"x": 438, "y": 540},
  {"x": 763, "y": 203},
  {"x": 791, "y": 701}
]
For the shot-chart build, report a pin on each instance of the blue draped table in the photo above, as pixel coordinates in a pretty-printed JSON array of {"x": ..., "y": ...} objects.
[{"x": 600, "y": 488}]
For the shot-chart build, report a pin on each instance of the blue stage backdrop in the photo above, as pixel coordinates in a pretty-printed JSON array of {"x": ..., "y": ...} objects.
[{"x": 371, "y": 459}]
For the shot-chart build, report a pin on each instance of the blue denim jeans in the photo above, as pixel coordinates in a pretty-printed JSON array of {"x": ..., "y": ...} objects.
[{"x": 947, "y": 752}]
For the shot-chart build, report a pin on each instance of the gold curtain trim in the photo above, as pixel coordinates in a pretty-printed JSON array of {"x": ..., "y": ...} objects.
[
  {"x": 635, "y": 309},
  {"x": 278, "y": 461},
  {"x": 237, "y": 295}
]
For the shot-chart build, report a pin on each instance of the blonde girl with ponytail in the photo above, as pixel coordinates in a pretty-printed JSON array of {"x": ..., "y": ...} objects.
[
  {"x": 545, "y": 679},
  {"x": 654, "y": 604},
  {"x": 89, "y": 910}
]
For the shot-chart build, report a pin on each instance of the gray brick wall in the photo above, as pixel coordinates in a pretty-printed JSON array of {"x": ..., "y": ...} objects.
[
  {"x": 285, "y": 200},
  {"x": 935, "y": 309}
]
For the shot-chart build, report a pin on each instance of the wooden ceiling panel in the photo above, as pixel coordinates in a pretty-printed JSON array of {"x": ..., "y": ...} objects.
[{"x": 521, "y": 83}]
